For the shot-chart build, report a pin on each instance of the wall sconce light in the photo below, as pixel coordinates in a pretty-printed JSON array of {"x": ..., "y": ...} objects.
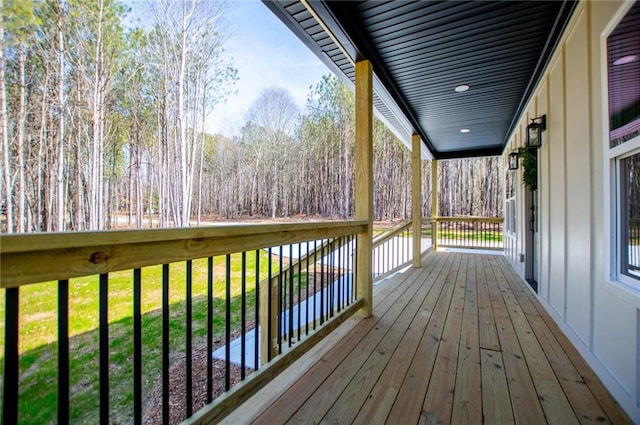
[
  {"x": 534, "y": 132},
  {"x": 513, "y": 160}
]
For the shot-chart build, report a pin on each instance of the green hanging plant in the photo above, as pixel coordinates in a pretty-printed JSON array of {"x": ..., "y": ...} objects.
[{"x": 529, "y": 168}]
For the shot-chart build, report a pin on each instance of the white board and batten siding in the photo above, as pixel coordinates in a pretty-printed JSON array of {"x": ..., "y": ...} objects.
[{"x": 600, "y": 317}]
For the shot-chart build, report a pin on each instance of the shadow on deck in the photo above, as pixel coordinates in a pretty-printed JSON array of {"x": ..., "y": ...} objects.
[{"x": 461, "y": 340}]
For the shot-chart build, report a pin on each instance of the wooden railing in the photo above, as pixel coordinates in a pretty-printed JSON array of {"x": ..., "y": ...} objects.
[
  {"x": 393, "y": 249},
  {"x": 468, "y": 232},
  {"x": 269, "y": 294}
]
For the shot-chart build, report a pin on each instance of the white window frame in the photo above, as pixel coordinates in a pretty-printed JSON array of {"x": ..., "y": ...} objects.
[
  {"x": 612, "y": 157},
  {"x": 620, "y": 152}
]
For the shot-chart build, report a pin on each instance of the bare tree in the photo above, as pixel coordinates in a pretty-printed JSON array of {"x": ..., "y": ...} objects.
[{"x": 272, "y": 122}]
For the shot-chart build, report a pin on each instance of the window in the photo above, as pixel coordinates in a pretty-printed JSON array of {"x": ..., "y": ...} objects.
[
  {"x": 623, "y": 81},
  {"x": 510, "y": 216},
  {"x": 510, "y": 205},
  {"x": 629, "y": 195}
]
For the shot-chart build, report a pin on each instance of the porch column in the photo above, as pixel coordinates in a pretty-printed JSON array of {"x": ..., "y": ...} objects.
[
  {"x": 364, "y": 181},
  {"x": 416, "y": 198},
  {"x": 434, "y": 203}
]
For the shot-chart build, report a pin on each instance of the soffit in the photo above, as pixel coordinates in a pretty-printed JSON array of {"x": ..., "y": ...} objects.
[{"x": 420, "y": 51}]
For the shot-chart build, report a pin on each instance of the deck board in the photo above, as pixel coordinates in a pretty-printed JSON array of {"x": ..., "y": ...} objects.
[
  {"x": 407, "y": 407},
  {"x": 378, "y": 401},
  {"x": 467, "y": 396},
  {"x": 496, "y": 404},
  {"x": 439, "y": 400},
  {"x": 461, "y": 340}
]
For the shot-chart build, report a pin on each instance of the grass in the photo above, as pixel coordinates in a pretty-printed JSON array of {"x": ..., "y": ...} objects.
[
  {"x": 38, "y": 334},
  {"x": 476, "y": 236}
]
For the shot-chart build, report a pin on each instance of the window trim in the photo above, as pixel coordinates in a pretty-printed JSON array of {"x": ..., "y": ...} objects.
[
  {"x": 633, "y": 148},
  {"x": 611, "y": 158}
]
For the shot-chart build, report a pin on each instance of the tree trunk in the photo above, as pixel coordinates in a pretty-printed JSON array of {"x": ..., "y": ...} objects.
[
  {"x": 60, "y": 183},
  {"x": 8, "y": 201},
  {"x": 20, "y": 137}
]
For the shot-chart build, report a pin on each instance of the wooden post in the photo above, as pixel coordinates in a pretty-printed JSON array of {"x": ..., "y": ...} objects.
[
  {"x": 434, "y": 204},
  {"x": 364, "y": 181},
  {"x": 269, "y": 321},
  {"x": 416, "y": 198}
]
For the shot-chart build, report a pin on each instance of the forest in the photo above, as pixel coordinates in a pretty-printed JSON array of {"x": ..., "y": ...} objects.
[{"x": 103, "y": 124}]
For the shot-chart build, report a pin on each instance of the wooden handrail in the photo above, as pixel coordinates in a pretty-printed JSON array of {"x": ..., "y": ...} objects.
[
  {"x": 35, "y": 258},
  {"x": 469, "y": 219},
  {"x": 390, "y": 234}
]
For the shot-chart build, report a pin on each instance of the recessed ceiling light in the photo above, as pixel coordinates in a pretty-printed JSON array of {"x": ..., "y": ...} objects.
[
  {"x": 625, "y": 59},
  {"x": 461, "y": 88},
  {"x": 464, "y": 130}
]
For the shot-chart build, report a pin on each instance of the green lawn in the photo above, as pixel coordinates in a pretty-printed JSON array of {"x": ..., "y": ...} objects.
[
  {"x": 475, "y": 236},
  {"x": 38, "y": 334}
]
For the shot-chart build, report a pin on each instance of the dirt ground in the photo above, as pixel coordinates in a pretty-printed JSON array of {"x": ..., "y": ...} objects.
[{"x": 152, "y": 411}]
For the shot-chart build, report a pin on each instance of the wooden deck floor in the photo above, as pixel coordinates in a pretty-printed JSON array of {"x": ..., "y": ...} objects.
[{"x": 462, "y": 340}]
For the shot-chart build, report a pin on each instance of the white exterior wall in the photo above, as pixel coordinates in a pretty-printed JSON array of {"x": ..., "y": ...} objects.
[{"x": 600, "y": 317}]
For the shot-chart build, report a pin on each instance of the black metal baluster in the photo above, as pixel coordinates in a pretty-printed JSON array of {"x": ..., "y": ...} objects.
[
  {"x": 484, "y": 233},
  {"x": 280, "y": 301},
  {"x": 330, "y": 280},
  {"x": 63, "y": 351},
  {"x": 104, "y": 347},
  {"x": 347, "y": 254},
  {"x": 209, "y": 329},
  {"x": 299, "y": 288},
  {"x": 347, "y": 261},
  {"x": 355, "y": 262},
  {"x": 306, "y": 319},
  {"x": 352, "y": 267},
  {"x": 345, "y": 270},
  {"x": 269, "y": 308},
  {"x": 165, "y": 344},
  {"x": 227, "y": 325},
  {"x": 333, "y": 276},
  {"x": 315, "y": 287},
  {"x": 322, "y": 310},
  {"x": 491, "y": 234},
  {"x": 137, "y": 347},
  {"x": 339, "y": 285},
  {"x": 11, "y": 357},
  {"x": 243, "y": 315},
  {"x": 256, "y": 360},
  {"x": 291, "y": 277},
  {"x": 189, "y": 345},
  {"x": 463, "y": 233}
]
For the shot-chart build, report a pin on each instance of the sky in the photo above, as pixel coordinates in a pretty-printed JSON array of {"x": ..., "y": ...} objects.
[{"x": 266, "y": 54}]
